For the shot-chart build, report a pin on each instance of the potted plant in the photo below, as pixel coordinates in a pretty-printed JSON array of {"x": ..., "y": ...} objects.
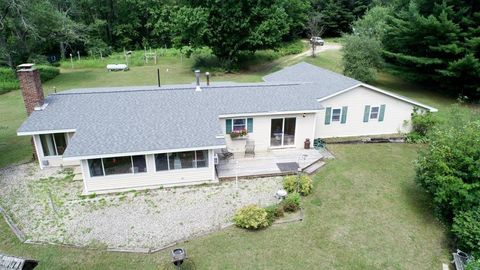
[{"x": 238, "y": 134}]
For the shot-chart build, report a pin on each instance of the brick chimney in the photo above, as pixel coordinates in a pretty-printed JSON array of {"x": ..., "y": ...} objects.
[{"x": 31, "y": 86}]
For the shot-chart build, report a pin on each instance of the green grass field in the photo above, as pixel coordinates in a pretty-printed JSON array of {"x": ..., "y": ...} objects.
[{"x": 366, "y": 211}]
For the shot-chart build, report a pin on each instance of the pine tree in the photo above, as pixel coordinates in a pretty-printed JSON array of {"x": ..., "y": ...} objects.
[{"x": 437, "y": 43}]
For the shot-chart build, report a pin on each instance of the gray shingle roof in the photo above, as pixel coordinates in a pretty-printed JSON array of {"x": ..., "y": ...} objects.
[
  {"x": 142, "y": 119},
  {"x": 305, "y": 72}
]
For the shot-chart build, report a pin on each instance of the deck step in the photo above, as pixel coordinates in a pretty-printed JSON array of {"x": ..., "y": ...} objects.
[{"x": 314, "y": 167}]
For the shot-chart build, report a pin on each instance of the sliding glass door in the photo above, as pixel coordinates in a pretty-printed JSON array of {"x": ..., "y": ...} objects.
[{"x": 282, "y": 132}]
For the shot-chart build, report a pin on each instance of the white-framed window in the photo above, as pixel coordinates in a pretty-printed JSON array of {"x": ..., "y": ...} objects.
[
  {"x": 181, "y": 160},
  {"x": 336, "y": 114},
  {"x": 53, "y": 144},
  {"x": 117, "y": 165},
  {"x": 374, "y": 111},
  {"x": 239, "y": 124}
]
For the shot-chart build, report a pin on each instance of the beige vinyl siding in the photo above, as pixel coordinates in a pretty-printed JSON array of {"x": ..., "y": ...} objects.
[
  {"x": 149, "y": 179},
  {"x": 261, "y": 131},
  {"x": 396, "y": 113},
  {"x": 53, "y": 161}
]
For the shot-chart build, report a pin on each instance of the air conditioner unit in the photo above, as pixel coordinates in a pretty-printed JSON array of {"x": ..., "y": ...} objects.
[{"x": 215, "y": 159}]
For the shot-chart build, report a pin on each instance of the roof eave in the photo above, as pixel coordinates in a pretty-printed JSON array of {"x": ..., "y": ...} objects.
[
  {"x": 39, "y": 132},
  {"x": 80, "y": 157},
  {"x": 413, "y": 102},
  {"x": 266, "y": 113}
]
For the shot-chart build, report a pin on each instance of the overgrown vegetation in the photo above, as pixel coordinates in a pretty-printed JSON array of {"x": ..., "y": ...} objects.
[
  {"x": 466, "y": 227},
  {"x": 9, "y": 81},
  {"x": 449, "y": 170},
  {"x": 362, "y": 57},
  {"x": 422, "y": 123},
  {"x": 473, "y": 264}
]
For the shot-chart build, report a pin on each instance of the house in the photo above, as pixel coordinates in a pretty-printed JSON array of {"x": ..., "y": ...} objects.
[{"x": 137, "y": 137}]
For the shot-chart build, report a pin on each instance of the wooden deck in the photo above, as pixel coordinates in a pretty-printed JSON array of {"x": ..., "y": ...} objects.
[{"x": 265, "y": 163}]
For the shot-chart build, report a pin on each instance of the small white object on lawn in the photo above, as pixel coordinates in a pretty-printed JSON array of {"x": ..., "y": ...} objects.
[{"x": 116, "y": 67}]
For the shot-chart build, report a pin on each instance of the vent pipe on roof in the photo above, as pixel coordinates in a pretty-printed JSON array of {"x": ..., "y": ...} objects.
[{"x": 197, "y": 77}]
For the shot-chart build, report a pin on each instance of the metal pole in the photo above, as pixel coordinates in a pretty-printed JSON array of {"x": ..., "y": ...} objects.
[
  {"x": 71, "y": 59},
  {"x": 236, "y": 174},
  {"x": 78, "y": 53},
  {"x": 158, "y": 77}
]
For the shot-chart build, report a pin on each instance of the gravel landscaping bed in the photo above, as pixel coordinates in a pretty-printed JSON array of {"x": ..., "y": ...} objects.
[{"x": 47, "y": 206}]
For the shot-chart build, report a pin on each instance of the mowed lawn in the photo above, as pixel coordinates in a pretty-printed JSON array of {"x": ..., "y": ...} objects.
[{"x": 366, "y": 212}]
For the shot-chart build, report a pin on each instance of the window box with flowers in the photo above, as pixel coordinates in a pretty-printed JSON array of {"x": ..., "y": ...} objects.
[
  {"x": 239, "y": 134},
  {"x": 239, "y": 128}
]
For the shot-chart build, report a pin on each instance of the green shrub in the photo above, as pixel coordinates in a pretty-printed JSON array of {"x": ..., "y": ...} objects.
[
  {"x": 251, "y": 217},
  {"x": 466, "y": 227},
  {"x": 448, "y": 168},
  {"x": 291, "y": 202},
  {"x": 48, "y": 72},
  {"x": 8, "y": 80},
  {"x": 273, "y": 212},
  {"x": 293, "y": 47},
  {"x": 422, "y": 124},
  {"x": 414, "y": 137},
  {"x": 305, "y": 184},
  {"x": 362, "y": 57},
  {"x": 473, "y": 265}
]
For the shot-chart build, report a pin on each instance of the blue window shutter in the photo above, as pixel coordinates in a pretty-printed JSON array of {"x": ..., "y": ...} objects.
[
  {"x": 343, "y": 120},
  {"x": 328, "y": 115},
  {"x": 228, "y": 126},
  {"x": 366, "y": 113},
  {"x": 249, "y": 125},
  {"x": 382, "y": 113}
]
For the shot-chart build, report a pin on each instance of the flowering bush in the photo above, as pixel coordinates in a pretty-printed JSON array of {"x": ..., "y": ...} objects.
[{"x": 238, "y": 133}]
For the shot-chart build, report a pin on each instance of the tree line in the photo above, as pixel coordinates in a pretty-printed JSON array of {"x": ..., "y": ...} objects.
[
  {"x": 434, "y": 42},
  {"x": 29, "y": 30}
]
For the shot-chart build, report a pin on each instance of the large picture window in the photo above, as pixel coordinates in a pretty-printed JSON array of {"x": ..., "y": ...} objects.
[
  {"x": 181, "y": 160},
  {"x": 117, "y": 165},
  {"x": 53, "y": 144}
]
